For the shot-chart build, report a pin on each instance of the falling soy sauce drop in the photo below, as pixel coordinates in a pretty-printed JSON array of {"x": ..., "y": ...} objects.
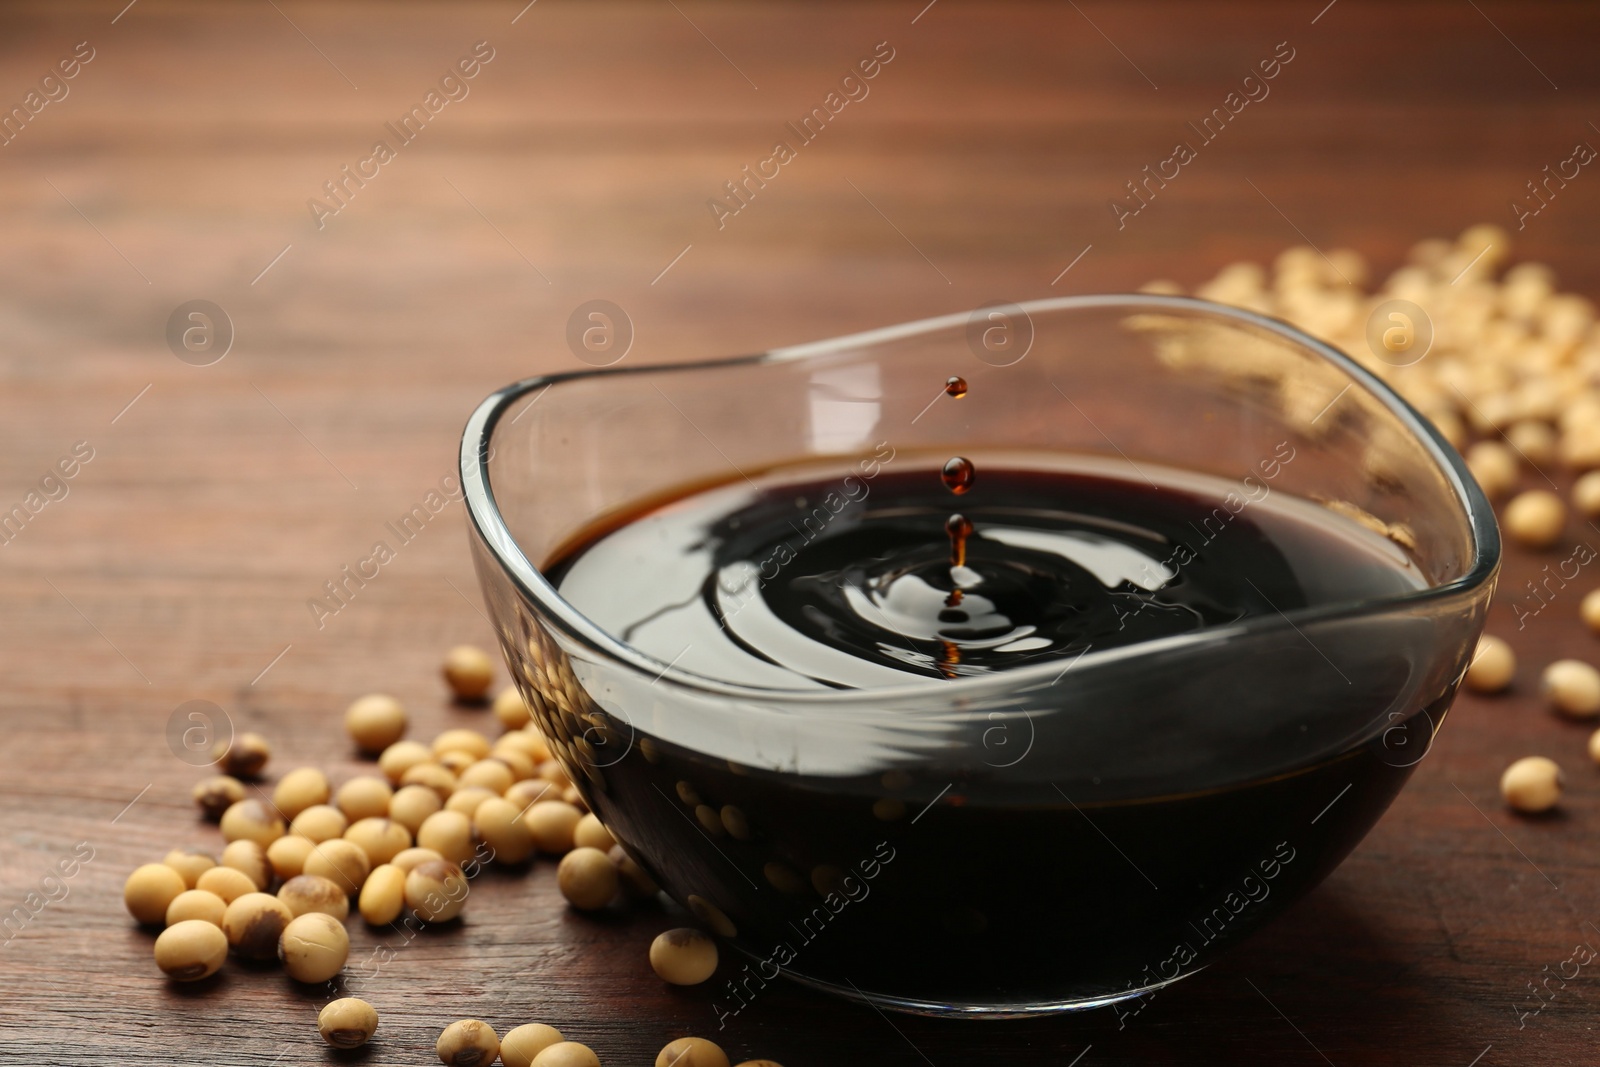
[
  {"x": 958, "y": 474},
  {"x": 959, "y": 527},
  {"x": 955, "y": 386}
]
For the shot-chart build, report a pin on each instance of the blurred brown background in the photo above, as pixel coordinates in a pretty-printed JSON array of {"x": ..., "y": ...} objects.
[{"x": 176, "y": 165}]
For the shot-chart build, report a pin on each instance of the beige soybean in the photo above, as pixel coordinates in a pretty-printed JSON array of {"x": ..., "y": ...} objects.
[
  {"x": 190, "y": 950},
  {"x": 448, "y": 833},
  {"x": 150, "y": 890},
  {"x": 196, "y": 904},
  {"x": 552, "y": 823},
  {"x": 529, "y": 741},
  {"x": 252, "y": 820},
  {"x": 567, "y": 1054},
  {"x": 288, "y": 855},
  {"x": 299, "y": 789},
  {"x": 519, "y": 1047},
  {"x": 511, "y": 709},
  {"x": 519, "y": 763},
  {"x": 468, "y": 1043},
  {"x": 226, "y": 883},
  {"x": 217, "y": 794},
  {"x": 250, "y": 859},
  {"x": 1594, "y": 746},
  {"x": 1535, "y": 519},
  {"x": 466, "y": 801},
  {"x": 375, "y": 721},
  {"x": 1493, "y": 665},
  {"x": 587, "y": 878},
  {"x": 1533, "y": 439},
  {"x": 254, "y": 923},
  {"x": 1494, "y": 466},
  {"x": 190, "y": 863},
  {"x": 530, "y": 790},
  {"x": 488, "y": 773},
  {"x": 436, "y": 776},
  {"x": 499, "y": 824},
  {"x": 342, "y": 862},
  {"x": 1589, "y": 610},
  {"x": 436, "y": 891},
  {"x": 412, "y": 804},
  {"x": 400, "y": 757},
  {"x": 320, "y": 822},
  {"x": 471, "y": 742},
  {"x": 364, "y": 798},
  {"x": 314, "y": 947},
  {"x": 1586, "y": 495},
  {"x": 381, "y": 839},
  {"x": 468, "y": 671},
  {"x": 384, "y": 895},
  {"x": 691, "y": 1052},
  {"x": 308, "y": 893},
  {"x": 1573, "y": 688},
  {"x": 683, "y": 956},
  {"x": 592, "y": 833},
  {"x": 414, "y": 857},
  {"x": 455, "y": 761},
  {"x": 1532, "y": 784},
  {"x": 348, "y": 1022},
  {"x": 244, "y": 757}
]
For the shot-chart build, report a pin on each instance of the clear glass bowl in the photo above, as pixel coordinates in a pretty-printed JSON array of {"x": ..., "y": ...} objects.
[{"x": 1052, "y": 837}]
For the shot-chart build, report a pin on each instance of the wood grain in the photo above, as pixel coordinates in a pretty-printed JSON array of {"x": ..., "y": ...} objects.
[{"x": 179, "y": 564}]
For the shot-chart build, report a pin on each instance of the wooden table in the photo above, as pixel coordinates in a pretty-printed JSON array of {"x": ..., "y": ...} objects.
[{"x": 220, "y": 498}]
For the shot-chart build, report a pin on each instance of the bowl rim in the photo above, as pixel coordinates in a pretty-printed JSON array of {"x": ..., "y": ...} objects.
[{"x": 490, "y": 526}]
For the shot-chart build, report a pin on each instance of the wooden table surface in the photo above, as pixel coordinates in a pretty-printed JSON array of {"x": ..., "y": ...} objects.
[{"x": 219, "y": 498}]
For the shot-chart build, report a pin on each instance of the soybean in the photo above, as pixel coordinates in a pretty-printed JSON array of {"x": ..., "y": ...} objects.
[
  {"x": 314, "y": 947},
  {"x": 381, "y": 839},
  {"x": 250, "y": 859},
  {"x": 1493, "y": 665},
  {"x": 499, "y": 823},
  {"x": 1573, "y": 688},
  {"x": 691, "y": 1052},
  {"x": 299, "y": 789},
  {"x": 375, "y": 721},
  {"x": 436, "y": 891},
  {"x": 448, "y": 833},
  {"x": 683, "y": 956},
  {"x": 308, "y": 893},
  {"x": 348, "y": 1022},
  {"x": 468, "y": 1043},
  {"x": 190, "y": 950},
  {"x": 364, "y": 798},
  {"x": 1532, "y": 784},
  {"x": 519, "y": 1047},
  {"x": 412, "y": 804},
  {"x": 217, "y": 794},
  {"x": 341, "y": 862},
  {"x": 552, "y": 823},
  {"x": 254, "y": 923},
  {"x": 567, "y": 1054},
  {"x": 245, "y": 756},
  {"x": 468, "y": 671},
  {"x": 320, "y": 823},
  {"x": 190, "y": 863},
  {"x": 288, "y": 855},
  {"x": 252, "y": 820},
  {"x": 226, "y": 883},
  {"x": 196, "y": 904},
  {"x": 401, "y": 757},
  {"x": 384, "y": 895},
  {"x": 587, "y": 878},
  {"x": 150, "y": 890}
]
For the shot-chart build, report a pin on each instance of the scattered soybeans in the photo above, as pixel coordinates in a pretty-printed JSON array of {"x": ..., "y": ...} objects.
[{"x": 1532, "y": 784}]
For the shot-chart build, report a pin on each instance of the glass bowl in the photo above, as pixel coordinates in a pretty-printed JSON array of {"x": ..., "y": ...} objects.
[{"x": 1061, "y": 835}]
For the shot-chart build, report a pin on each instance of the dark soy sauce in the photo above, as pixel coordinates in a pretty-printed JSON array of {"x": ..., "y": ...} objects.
[{"x": 963, "y": 880}]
